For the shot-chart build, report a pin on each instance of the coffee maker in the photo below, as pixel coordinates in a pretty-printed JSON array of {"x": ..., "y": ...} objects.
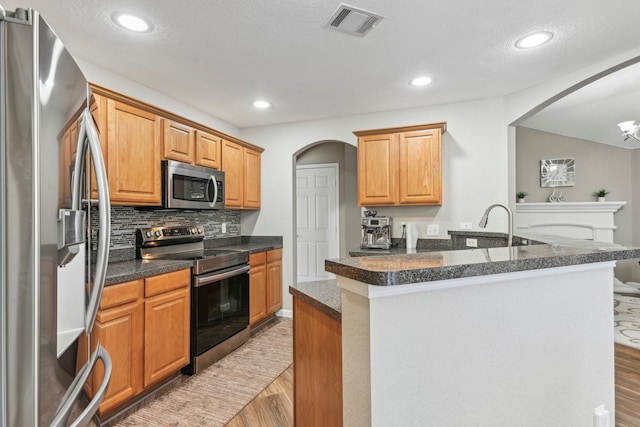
[{"x": 376, "y": 231}]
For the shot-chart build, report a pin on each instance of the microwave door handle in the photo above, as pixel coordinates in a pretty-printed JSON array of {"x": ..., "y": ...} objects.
[
  {"x": 76, "y": 387},
  {"x": 212, "y": 182},
  {"x": 104, "y": 210}
]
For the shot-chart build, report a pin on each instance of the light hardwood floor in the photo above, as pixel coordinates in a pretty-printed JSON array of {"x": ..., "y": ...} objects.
[{"x": 273, "y": 407}]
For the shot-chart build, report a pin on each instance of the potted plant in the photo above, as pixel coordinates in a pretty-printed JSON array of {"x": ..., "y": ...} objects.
[
  {"x": 600, "y": 194},
  {"x": 520, "y": 195}
]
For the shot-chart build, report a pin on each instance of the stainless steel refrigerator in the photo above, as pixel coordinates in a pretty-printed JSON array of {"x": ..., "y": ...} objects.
[{"x": 51, "y": 283}]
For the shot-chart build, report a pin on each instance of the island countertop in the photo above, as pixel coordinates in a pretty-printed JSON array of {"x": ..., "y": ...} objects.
[{"x": 431, "y": 266}]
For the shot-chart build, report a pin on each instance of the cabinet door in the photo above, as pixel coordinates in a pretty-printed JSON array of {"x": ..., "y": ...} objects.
[
  {"x": 207, "y": 150},
  {"x": 251, "y": 194},
  {"x": 377, "y": 170},
  {"x": 166, "y": 334},
  {"x": 420, "y": 173},
  {"x": 257, "y": 288},
  {"x": 274, "y": 280},
  {"x": 119, "y": 330},
  {"x": 232, "y": 165},
  {"x": 134, "y": 155},
  {"x": 178, "y": 141}
]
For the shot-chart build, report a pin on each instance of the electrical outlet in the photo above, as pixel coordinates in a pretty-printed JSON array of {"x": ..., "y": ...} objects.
[
  {"x": 466, "y": 226},
  {"x": 224, "y": 227},
  {"x": 433, "y": 230},
  {"x": 472, "y": 243}
]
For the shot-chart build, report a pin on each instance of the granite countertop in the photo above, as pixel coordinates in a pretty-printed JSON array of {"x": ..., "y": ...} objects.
[
  {"x": 441, "y": 265},
  {"x": 123, "y": 271},
  {"x": 323, "y": 295}
]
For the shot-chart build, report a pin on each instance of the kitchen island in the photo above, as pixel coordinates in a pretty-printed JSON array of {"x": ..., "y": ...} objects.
[{"x": 498, "y": 336}]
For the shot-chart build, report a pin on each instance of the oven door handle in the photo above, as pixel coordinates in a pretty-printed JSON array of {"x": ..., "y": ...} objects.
[{"x": 205, "y": 279}]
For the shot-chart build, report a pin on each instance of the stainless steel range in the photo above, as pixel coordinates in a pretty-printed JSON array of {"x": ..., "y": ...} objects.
[{"x": 219, "y": 290}]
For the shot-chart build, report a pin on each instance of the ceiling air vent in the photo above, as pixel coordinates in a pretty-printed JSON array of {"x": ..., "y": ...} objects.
[{"x": 353, "y": 21}]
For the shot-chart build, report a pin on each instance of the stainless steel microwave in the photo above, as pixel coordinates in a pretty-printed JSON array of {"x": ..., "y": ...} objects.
[{"x": 186, "y": 186}]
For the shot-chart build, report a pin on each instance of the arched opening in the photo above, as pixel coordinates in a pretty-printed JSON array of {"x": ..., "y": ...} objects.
[{"x": 319, "y": 212}]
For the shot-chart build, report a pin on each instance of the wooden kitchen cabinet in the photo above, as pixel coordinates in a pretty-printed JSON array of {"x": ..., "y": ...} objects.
[
  {"x": 251, "y": 179},
  {"x": 274, "y": 281},
  {"x": 208, "y": 150},
  {"x": 119, "y": 328},
  {"x": 233, "y": 166},
  {"x": 265, "y": 285},
  {"x": 400, "y": 166},
  {"x": 167, "y": 325},
  {"x": 257, "y": 288},
  {"x": 242, "y": 176},
  {"x": 133, "y": 166},
  {"x": 145, "y": 326},
  {"x": 178, "y": 141}
]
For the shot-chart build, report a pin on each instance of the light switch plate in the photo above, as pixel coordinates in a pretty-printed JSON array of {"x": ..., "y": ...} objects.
[
  {"x": 472, "y": 243},
  {"x": 466, "y": 226},
  {"x": 433, "y": 230},
  {"x": 224, "y": 227}
]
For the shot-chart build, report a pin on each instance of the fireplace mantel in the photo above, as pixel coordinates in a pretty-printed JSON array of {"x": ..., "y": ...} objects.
[{"x": 579, "y": 220}]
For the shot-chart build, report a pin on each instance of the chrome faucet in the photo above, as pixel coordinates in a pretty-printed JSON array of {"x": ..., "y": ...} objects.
[{"x": 485, "y": 218}]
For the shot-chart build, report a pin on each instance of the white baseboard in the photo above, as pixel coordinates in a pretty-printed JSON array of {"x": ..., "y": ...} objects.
[{"x": 285, "y": 313}]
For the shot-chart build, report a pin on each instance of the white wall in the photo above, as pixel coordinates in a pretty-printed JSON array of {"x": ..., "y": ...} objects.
[{"x": 474, "y": 156}]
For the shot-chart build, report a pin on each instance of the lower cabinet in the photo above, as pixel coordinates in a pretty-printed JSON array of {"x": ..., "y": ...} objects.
[
  {"x": 265, "y": 285},
  {"x": 144, "y": 325}
]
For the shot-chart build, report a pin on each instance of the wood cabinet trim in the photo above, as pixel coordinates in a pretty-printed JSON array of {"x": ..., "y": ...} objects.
[
  {"x": 169, "y": 115},
  {"x": 439, "y": 125}
]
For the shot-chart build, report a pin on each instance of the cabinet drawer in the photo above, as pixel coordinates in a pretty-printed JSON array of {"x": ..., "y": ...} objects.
[
  {"x": 257, "y": 258},
  {"x": 274, "y": 255},
  {"x": 165, "y": 282},
  {"x": 120, "y": 294}
]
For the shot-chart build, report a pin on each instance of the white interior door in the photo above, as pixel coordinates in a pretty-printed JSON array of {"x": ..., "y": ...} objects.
[{"x": 317, "y": 219}]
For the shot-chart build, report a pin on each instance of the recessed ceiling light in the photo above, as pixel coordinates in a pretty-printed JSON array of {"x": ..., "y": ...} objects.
[
  {"x": 420, "y": 81},
  {"x": 132, "y": 22},
  {"x": 262, "y": 105},
  {"x": 534, "y": 40}
]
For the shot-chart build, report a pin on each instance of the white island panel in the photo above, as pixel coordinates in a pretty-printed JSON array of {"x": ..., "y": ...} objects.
[{"x": 528, "y": 348}]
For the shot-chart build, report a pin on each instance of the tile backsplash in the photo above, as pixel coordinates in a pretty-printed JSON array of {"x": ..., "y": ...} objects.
[{"x": 125, "y": 221}]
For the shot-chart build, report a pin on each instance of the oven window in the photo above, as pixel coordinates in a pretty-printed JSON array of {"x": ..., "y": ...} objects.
[{"x": 220, "y": 310}]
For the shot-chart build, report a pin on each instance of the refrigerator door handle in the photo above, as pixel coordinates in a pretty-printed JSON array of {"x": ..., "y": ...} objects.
[
  {"x": 88, "y": 138},
  {"x": 74, "y": 390}
]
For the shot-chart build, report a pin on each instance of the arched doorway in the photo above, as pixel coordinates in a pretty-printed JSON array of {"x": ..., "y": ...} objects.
[{"x": 320, "y": 210}]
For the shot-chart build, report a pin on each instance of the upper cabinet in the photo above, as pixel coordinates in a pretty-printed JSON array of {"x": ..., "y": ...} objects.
[
  {"x": 133, "y": 167},
  {"x": 208, "y": 150},
  {"x": 400, "y": 166},
  {"x": 241, "y": 166},
  {"x": 135, "y": 137},
  {"x": 178, "y": 141}
]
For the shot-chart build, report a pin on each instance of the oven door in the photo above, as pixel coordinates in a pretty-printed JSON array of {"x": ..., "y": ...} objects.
[
  {"x": 191, "y": 187},
  {"x": 220, "y": 307}
]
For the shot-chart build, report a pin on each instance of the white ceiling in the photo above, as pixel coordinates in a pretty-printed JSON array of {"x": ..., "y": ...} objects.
[{"x": 220, "y": 55}]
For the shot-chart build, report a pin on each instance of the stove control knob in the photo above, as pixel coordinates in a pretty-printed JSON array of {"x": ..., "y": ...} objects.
[
  {"x": 148, "y": 234},
  {"x": 158, "y": 234},
  {"x": 200, "y": 230},
  {"x": 194, "y": 230}
]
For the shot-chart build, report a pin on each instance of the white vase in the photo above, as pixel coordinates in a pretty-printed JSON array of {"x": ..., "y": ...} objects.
[
  {"x": 521, "y": 200},
  {"x": 601, "y": 199}
]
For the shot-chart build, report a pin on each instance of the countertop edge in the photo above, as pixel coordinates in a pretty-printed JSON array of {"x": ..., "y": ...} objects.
[{"x": 323, "y": 295}]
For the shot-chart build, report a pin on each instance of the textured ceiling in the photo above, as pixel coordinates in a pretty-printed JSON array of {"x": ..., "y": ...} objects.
[{"x": 219, "y": 56}]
